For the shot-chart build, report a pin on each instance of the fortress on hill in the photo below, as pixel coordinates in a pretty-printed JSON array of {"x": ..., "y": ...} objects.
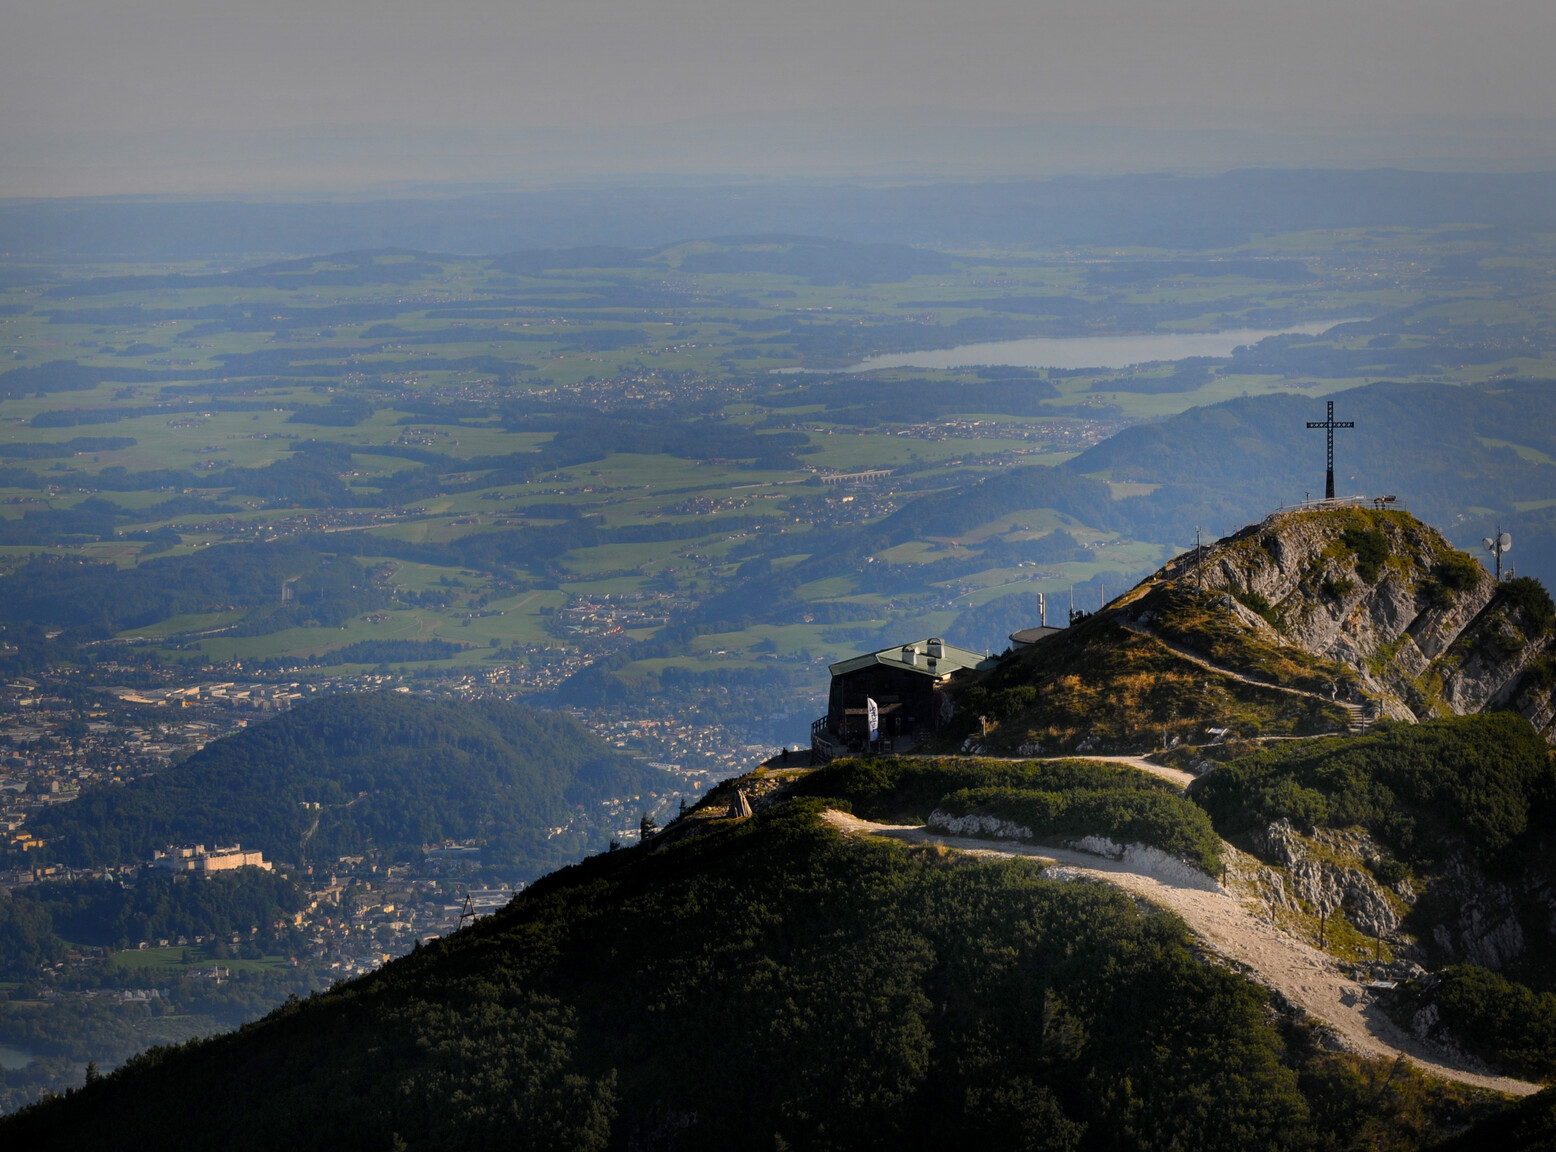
[{"x": 198, "y": 859}]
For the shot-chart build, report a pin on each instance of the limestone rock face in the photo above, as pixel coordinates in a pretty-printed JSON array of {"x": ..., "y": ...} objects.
[
  {"x": 1424, "y": 629},
  {"x": 1461, "y": 915},
  {"x": 1481, "y": 919},
  {"x": 1327, "y": 872}
]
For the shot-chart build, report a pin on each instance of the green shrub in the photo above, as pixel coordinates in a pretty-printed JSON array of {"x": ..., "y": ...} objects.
[
  {"x": 1389, "y": 871},
  {"x": 1013, "y": 701},
  {"x": 1508, "y": 1024},
  {"x": 1542, "y": 673},
  {"x": 1532, "y": 601},
  {"x": 1371, "y": 548},
  {"x": 1420, "y": 787},
  {"x": 1459, "y": 572},
  {"x": 1257, "y": 602},
  {"x": 1338, "y": 588},
  {"x": 1528, "y": 1126},
  {"x": 1127, "y": 816},
  {"x": 909, "y": 789}
]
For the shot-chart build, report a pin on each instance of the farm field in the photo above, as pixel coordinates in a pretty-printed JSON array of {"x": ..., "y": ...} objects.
[{"x": 662, "y": 464}]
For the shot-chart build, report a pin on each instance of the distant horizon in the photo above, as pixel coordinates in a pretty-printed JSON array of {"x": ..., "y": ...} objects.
[
  {"x": 365, "y": 161},
  {"x": 1142, "y": 211}
]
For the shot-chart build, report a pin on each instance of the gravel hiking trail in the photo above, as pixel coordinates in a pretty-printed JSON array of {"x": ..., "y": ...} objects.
[
  {"x": 1232, "y": 929},
  {"x": 1355, "y": 711},
  {"x": 1175, "y": 775}
]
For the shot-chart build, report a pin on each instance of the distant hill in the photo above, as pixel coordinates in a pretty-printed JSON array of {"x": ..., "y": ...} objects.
[
  {"x": 377, "y": 773},
  {"x": 1465, "y": 457}
]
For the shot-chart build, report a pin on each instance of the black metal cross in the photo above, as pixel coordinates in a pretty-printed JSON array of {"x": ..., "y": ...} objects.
[{"x": 1329, "y": 425}]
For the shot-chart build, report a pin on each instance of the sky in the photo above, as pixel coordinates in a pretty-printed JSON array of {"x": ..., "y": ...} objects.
[{"x": 147, "y": 95}]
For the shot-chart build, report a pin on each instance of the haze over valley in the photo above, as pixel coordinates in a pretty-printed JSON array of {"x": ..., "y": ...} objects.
[{"x": 681, "y": 579}]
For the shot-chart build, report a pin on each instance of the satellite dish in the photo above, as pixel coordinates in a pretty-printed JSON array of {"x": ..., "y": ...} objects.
[
  {"x": 1505, "y": 541},
  {"x": 1489, "y": 543}
]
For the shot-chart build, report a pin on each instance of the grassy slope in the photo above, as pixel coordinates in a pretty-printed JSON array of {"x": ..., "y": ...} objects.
[{"x": 1101, "y": 680}]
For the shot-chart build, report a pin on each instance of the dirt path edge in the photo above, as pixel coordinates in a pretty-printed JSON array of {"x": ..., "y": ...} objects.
[{"x": 1300, "y": 973}]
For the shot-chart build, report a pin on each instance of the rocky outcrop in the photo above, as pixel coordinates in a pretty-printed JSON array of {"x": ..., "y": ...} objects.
[
  {"x": 977, "y": 824},
  {"x": 1457, "y": 915},
  {"x": 1310, "y": 623},
  {"x": 1327, "y": 872},
  {"x": 1478, "y": 920},
  {"x": 1420, "y": 628}
]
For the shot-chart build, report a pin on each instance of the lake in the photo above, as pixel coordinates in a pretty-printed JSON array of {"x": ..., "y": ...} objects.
[
  {"x": 1088, "y": 351},
  {"x": 13, "y": 1058}
]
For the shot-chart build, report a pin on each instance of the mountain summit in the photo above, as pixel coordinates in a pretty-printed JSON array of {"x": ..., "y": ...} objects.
[{"x": 1313, "y": 620}]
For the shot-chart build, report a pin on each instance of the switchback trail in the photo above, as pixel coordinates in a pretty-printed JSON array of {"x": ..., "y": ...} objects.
[
  {"x": 1355, "y": 711},
  {"x": 1229, "y": 927},
  {"x": 1175, "y": 775}
]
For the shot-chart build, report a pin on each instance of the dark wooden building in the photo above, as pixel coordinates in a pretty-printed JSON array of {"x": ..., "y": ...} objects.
[{"x": 908, "y": 685}]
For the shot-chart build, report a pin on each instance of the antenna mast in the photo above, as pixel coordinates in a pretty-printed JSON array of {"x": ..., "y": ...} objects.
[{"x": 1499, "y": 546}]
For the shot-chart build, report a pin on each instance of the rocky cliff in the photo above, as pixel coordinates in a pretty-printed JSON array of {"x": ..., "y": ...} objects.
[
  {"x": 1424, "y": 629},
  {"x": 1311, "y": 621}
]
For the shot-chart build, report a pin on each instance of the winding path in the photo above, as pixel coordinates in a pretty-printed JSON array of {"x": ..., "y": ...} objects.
[
  {"x": 1176, "y": 775},
  {"x": 1356, "y": 711},
  {"x": 1235, "y": 930}
]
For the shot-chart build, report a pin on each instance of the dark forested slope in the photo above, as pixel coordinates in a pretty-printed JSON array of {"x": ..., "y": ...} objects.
[
  {"x": 381, "y": 773},
  {"x": 1436, "y": 839},
  {"x": 771, "y": 984}
]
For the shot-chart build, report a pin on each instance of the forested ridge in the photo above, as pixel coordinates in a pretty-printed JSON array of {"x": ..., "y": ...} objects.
[
  {"x": 384, "y": 773},
  {"x": 1052, "y": 799},
  {"x": 1476, "y": 783},
  {"x": 1458, "y": 815},
  {"x": 770, "y": 983}
]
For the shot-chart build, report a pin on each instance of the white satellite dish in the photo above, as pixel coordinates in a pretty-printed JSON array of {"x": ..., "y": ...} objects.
[{"x": 1499, "y": 547}]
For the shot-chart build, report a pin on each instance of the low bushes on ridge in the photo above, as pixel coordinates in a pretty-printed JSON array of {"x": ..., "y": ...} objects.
[
  {"x": 1052, "y": 797},
  {"x": 1123, "y": 815}
]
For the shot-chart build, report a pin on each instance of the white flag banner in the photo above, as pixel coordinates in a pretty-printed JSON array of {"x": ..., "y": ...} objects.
[{"x": 874, "y": 714}]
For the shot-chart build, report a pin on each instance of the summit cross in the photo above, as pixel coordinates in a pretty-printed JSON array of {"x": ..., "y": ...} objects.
[{"x": 1329, "y": 424}]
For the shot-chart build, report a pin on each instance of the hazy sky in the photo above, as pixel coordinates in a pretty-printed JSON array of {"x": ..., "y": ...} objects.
[{"x": 76, "y": 69}]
